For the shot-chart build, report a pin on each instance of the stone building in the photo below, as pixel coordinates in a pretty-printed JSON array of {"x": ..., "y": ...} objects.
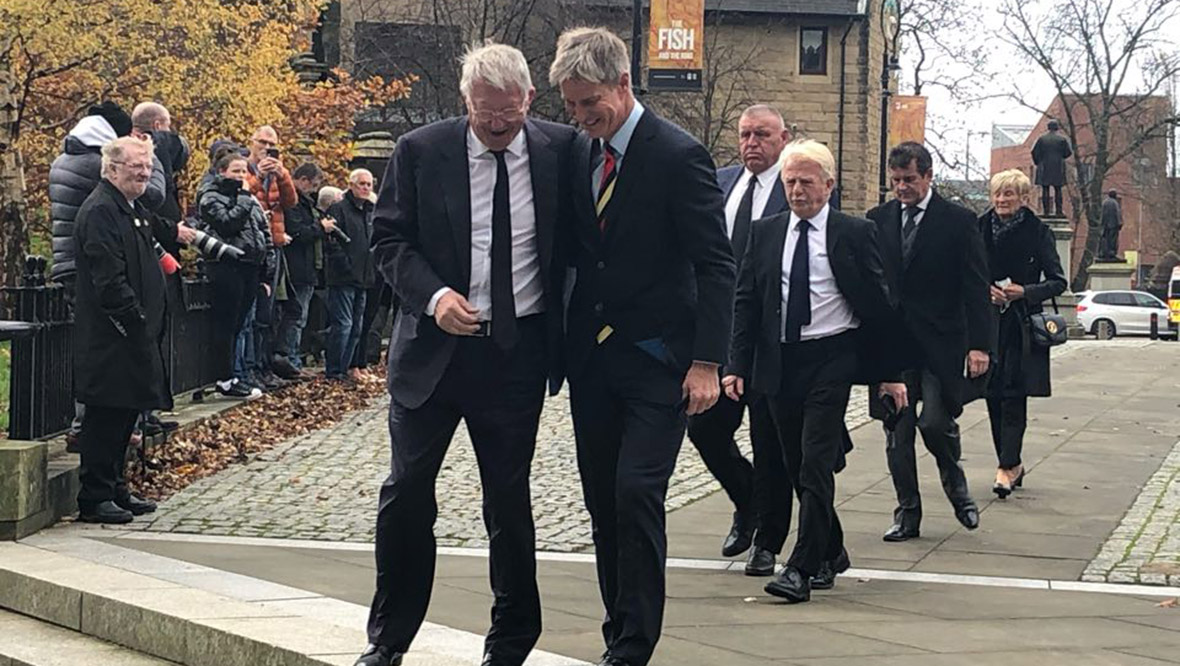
[
  {"x": 819, "y": 61},
  {"x": 1148, "y": 195}
]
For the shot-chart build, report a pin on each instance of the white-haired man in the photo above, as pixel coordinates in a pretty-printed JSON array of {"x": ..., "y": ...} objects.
[
  {"x": 349, "y": 272},
  {"x": 649, "y": 320},
  {"x": 119, "y": 316},
  {"x": 466, "y": 233},
  {"x": 811, "y": 316}
]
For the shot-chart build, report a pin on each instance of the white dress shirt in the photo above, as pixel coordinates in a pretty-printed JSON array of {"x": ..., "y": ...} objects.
[
  {"x": 762, "y": 191},
  {"x": 922, "y": 206},
  {"x": 830, "y": 312},
  {"x": 527, "y": 285}
]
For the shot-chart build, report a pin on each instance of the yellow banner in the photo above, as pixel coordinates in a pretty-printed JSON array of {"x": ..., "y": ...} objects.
[
  {"x": 676, "y": 44},
  {"x": 907, "y": 119}
]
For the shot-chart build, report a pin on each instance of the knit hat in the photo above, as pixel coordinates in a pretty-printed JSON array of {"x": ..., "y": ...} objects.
[{"x": 113, "y": 114}]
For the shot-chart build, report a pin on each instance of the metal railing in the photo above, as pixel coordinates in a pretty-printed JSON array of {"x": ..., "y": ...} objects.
[{"x": 41, "y": 397}]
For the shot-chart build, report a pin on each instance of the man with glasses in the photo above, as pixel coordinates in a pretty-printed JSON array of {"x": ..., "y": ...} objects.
[
  {"x": 119, "y": 320},
  {"x": 465, "y": 232}
]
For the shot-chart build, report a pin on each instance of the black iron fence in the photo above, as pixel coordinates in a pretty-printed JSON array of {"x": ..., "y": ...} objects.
[{"x": 41, "y": 402}]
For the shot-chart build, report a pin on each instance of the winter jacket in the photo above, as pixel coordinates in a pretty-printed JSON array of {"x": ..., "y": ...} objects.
[
  {"x": 279, "y": 196},
  {"x": 120, "y": 310},
  {"x": 233, "y": 215},
  {"x": 350, "y": 265},
  {"x": 303, "y": 226},
  {"x": 173, "y": 152},
  {"x": 73, "y": 176}
]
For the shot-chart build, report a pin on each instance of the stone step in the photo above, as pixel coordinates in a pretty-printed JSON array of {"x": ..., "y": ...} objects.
[{"x": 25, "y": 641}]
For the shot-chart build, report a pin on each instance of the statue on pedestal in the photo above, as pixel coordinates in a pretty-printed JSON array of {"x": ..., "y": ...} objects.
[
  {"x": 1049, "y": 154},
  {"x": 1112, "y": 224}
]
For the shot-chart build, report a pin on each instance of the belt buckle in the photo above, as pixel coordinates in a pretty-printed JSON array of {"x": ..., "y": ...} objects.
[{"x": 484, "y": 330}]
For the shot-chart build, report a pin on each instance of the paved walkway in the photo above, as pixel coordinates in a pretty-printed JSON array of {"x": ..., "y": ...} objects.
[{"x": 1099, "y": 451}]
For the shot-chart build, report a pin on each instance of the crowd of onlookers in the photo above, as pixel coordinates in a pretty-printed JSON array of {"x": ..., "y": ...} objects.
[{"x": 267, "y": 238}]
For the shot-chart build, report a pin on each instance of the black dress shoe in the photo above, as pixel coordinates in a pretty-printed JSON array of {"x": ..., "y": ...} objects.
[
  {"x": 741, "y": 535},
  {"x": 760, "y": 562},
  {"x": 136, "y": 505},
  {"x": 379, "y": 655},
  {"x": 898, "y": 532},
  {"x": 792, "y": 585},
  {"x": 608, "y": 660},
  {"x": 968, "y": 516},
  {"x": 107, "y": 513},
  {"x": 825, "y": 579}
]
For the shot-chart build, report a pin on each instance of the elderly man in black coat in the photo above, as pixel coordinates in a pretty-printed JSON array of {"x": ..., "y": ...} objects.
[
  {"x": 119, "y": 324},
  {"x": 1049, "y": 154}
]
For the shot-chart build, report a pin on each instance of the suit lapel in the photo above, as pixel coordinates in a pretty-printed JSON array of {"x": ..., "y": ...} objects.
[
  {"x": 585, "y": 223},
  {"x": 634, "y": 163},
  {"x": 543, "y": 169},
  {"x": 456, "y": 189},
  {"x": 777, "y": 203},
  {"x": 929, "y": 216},
  {"x": 836, "y": 235}
]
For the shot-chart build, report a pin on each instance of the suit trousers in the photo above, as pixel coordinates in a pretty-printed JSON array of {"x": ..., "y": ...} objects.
[
  {"x": 103, "y": 443},
  {"x": 809, "y": 414},
  {"x": 1008, "y": 417},
  {"x": 499, "y": 395},
  {"x": 940, "y": 433},
  {"x": 629, "y": 420},
  {"x": 762, "y": 490}
]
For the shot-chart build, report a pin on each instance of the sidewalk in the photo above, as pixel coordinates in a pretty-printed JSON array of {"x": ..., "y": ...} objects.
[{"x": 1091, "y": 449}]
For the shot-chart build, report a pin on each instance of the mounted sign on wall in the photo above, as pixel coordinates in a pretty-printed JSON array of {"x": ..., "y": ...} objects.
[{"x": 676, "y": 45}]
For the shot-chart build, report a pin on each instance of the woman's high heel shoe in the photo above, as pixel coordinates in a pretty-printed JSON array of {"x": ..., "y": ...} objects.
[
  {"x": 1019, "y": 482},
  {"x": 1002, "y": 487}
]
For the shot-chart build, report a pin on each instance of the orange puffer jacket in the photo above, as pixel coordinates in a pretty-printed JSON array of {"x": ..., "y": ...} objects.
[{"x": 280, "y": 196}]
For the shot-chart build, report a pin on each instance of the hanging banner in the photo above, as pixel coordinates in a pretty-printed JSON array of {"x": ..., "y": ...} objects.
[
  {"x": 907, "y": 119},
  {"x": 676, "y": 45}
]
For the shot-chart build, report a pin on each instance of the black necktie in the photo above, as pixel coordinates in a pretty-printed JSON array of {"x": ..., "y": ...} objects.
[
  {"x": 799, "y": 286},
  {"x": 741, "y": 221},
  {"x": 909, "y": 226},
  {"x": 503, "y": 301}
]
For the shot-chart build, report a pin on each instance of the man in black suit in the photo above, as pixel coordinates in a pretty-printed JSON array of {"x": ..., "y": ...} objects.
[
  {"x": 465, "y": 231},
  {"x": 811, "y": 316},
  {"x": 648, "y": 322},
  {"x": 938, "y": 280},
  {"x": 761, "y": 493}
]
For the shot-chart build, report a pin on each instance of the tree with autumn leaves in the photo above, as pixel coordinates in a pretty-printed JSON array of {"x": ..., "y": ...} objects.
[{"x": 222, "y": 67}]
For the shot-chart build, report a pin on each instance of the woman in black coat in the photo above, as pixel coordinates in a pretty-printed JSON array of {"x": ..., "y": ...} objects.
[{"x": 1025, "y": 271}]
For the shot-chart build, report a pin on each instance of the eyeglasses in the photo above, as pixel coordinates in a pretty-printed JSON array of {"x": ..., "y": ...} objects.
[
  {"x": 135, "y": 167},
  {"x": 266, "y": 143},
  {"x": 506, "y": 115}
]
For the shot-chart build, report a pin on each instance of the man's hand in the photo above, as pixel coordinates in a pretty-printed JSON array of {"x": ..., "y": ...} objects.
[
  {"x": 735, "y": 387},
  {"x": 266, "y": 288},
  {"x": 455, "y": 315},
  {"x": 1013, "y": 292},
  {"x": 998, "y": 296},
  {"x": 184, "y": 233},
  {"x": 901, "y": 397},
  {"x": 328, "y": 224},
  {"x": 977, "y": 362},
  {"x": 701, "y": 387},
  {"x": 268, "y": 165}
]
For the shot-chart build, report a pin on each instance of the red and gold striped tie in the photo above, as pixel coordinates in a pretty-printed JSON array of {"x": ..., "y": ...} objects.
[{"x": 606, "y": 186}]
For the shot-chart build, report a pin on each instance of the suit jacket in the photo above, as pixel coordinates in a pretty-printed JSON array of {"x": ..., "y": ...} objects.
[
  {"x": 663, "y": 272},
  {"x": 422, "y": 242},
  {"x": 727, "y": 178},
  {"x": 941, "y": 294},
  {"x": 855, "y": 259},
  {"x": 1049, "y": 154}
]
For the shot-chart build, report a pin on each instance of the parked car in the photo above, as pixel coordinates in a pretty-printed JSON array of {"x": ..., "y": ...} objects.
[{"x": 1111, "y": 313}]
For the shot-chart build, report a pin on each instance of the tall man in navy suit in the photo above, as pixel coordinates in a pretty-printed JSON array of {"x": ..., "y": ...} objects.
[
  {"x": 465, "y": 231},
  {"x": 761, "y": 493},
  {"x": 648, "y": 322}
]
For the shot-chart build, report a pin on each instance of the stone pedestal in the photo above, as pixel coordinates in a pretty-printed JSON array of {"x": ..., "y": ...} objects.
[
  {"x": 1067, "y": 302},
  {"x": 24, "y": 471},
  {"x": 1107, "y": 275}
]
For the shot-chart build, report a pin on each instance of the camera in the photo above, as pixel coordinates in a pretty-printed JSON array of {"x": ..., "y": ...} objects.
[
  {"x": 215, "y": 248},
  {"x": 272, "y": 153}
]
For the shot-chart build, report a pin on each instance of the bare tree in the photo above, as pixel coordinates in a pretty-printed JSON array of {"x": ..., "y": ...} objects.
[{"x": 1108, "y": 62}]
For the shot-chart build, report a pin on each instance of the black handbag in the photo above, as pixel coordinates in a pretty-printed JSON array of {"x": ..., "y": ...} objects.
[{"x": 1047, "y": 329}]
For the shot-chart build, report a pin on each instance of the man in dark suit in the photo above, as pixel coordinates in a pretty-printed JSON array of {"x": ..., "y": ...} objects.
[
  {"x": 761, "y": 493},
  {"x": 937, "y": 274},
  {"x": 465, "y": 231},
  {"x": 648, "y": 322},
  {"x": 810, "y": 318}
]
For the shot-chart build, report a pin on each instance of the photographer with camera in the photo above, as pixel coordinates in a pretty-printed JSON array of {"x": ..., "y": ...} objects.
[
  {"x": 349, "y": 273},
  {"x": 306, "y": 225}
]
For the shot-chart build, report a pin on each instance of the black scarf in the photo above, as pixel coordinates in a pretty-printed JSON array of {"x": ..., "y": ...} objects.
[{"x": 1002, "y": 228}]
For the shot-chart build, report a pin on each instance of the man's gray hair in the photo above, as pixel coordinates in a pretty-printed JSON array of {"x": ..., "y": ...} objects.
[
  {"x": 809, "y": 150},
  {"x": 116, "y": 151},
  {"x": 594, "y": 55},
  {"x": 328, "y": 195},
  {"x": 764, "y": 110},
  {"x": 501, "y": 66},
  {"x": 146, "y": 114},
  {"x": 357, "y": 173}
]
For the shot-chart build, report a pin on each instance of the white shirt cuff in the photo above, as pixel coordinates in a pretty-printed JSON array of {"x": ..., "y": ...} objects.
[{"x": 434, "y": 300}]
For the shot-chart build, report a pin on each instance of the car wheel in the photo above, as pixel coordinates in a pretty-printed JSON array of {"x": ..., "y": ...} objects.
[{"x": 1104, "y": 329}]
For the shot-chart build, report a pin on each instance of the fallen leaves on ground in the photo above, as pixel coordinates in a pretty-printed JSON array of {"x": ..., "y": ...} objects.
[{"x": 233, "y": 436}]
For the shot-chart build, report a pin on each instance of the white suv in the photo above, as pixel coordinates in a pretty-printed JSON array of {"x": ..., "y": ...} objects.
[{"x": 1110, "y": 313}]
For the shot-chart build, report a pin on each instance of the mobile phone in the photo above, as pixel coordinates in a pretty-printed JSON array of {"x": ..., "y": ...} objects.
[{"x": 273, "y": 153}]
